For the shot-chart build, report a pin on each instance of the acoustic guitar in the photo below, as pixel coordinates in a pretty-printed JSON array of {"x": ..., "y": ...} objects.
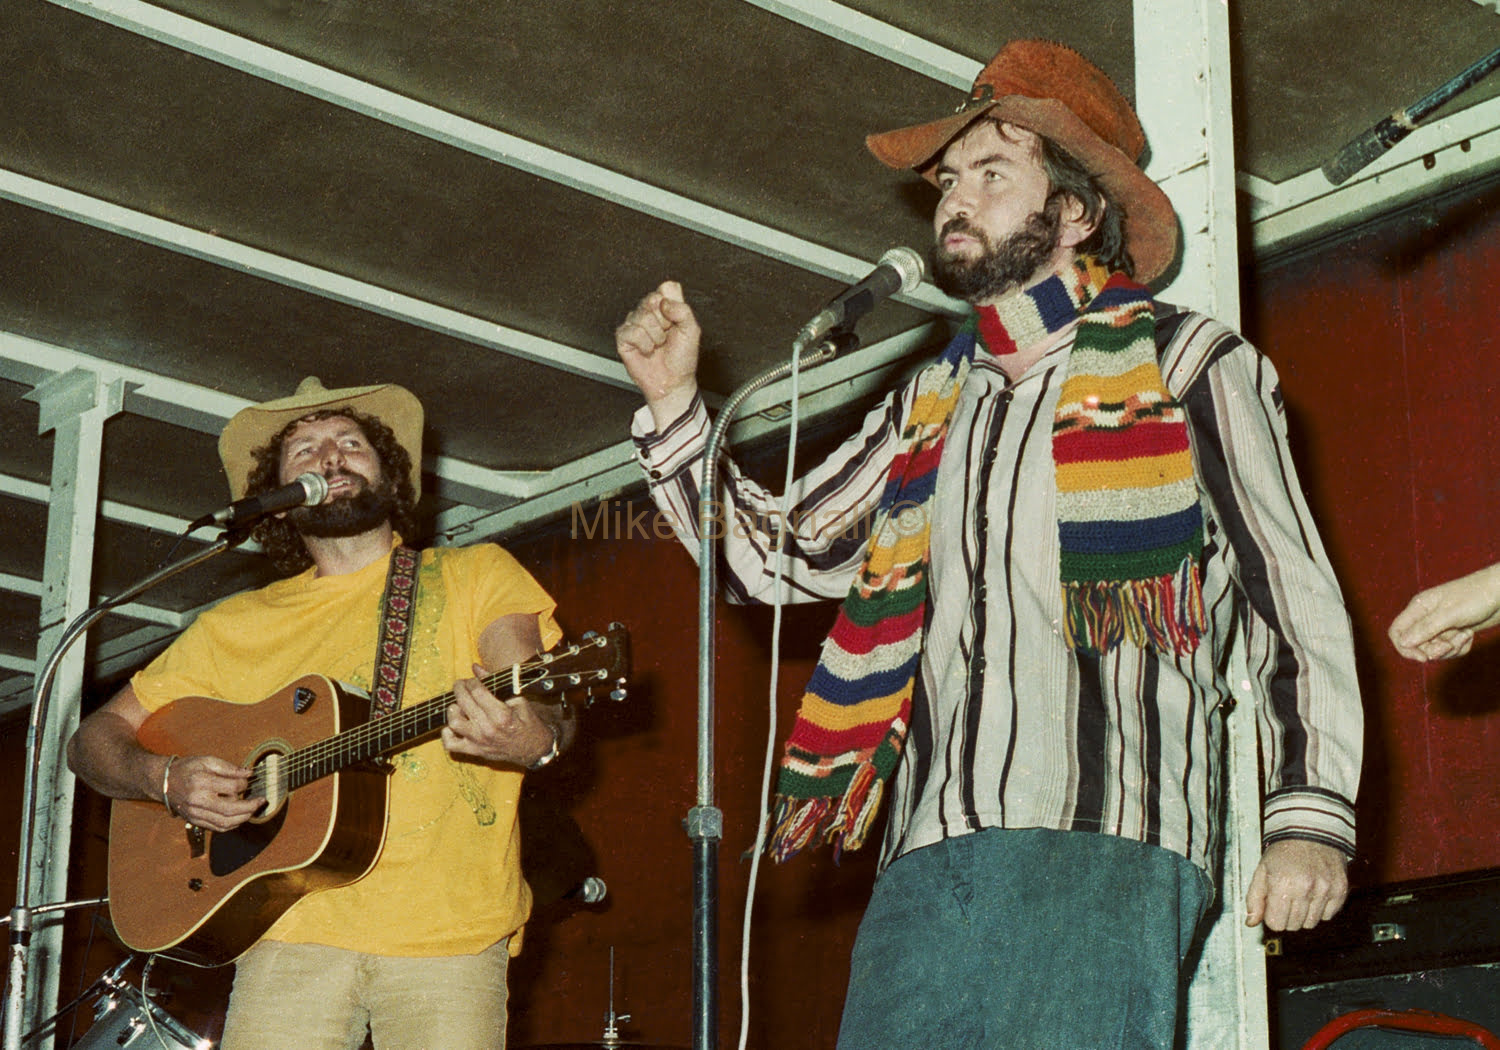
[{"x": 204, "y": 897}]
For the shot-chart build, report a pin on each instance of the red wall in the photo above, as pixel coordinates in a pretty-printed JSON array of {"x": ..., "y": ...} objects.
[
  {"x": 1387, "y": 352},
  {"x": 630, "y": 785}
]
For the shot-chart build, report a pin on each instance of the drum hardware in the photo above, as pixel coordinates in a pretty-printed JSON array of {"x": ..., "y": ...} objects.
[
  {"x": 126, "y": 1015},
  {"x": 610, "y": 1040},
  {"x": 46, "y": 909},
  {"x": 611, "y": 1031}
]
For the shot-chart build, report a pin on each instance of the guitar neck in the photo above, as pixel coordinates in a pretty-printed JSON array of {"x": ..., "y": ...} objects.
[{"x": 400, "y": 729}]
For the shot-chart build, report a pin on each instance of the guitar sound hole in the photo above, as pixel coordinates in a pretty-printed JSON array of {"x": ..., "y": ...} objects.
[{"x": 228, "y": 851}]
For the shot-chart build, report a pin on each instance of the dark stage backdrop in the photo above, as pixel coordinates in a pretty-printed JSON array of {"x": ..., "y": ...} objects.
[{"x": 1387, "y": 359}]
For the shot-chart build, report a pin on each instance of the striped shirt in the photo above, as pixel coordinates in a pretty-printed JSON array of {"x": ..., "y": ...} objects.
[{"x": 1012, "y": 729}]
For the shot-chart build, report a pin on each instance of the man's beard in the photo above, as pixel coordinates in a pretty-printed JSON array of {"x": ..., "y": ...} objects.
[
  {"x": 370, "y": 507},
  {"x": 999, "y": 267}
]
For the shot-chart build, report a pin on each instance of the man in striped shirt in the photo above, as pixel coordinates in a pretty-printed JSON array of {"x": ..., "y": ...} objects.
[{"x": 1055, "y": 813}]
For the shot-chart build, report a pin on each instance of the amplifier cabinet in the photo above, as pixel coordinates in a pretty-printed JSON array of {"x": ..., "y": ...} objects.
[{"x": 1429, "y": 944}]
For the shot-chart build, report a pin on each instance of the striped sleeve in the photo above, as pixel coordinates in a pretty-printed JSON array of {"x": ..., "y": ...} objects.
[
  {"x": 1298, "y": 638},
  {"x": 829, "y": 514}
]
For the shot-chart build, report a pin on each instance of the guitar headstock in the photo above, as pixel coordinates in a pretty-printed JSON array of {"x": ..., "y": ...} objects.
[{"x": 596, "y": 662}]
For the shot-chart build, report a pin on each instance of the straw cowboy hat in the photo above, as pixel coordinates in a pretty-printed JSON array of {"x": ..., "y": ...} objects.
[
  {"x": 1055, "y": 92},
  {"x": 255, "y": 427}
]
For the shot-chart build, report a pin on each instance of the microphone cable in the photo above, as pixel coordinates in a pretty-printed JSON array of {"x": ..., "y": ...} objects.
[{"x": 778, "y": 600}]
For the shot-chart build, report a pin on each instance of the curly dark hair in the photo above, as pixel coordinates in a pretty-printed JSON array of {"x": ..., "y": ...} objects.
[
  {"x": 1069, "y": 178},
  {"x": 278, "y": 537}
]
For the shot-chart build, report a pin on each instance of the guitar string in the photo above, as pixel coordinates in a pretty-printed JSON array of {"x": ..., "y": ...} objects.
[
  {"x": 297, "y": 764},
  {"x": 303, "y": 761},
  {"x": 410, "y": 720}
]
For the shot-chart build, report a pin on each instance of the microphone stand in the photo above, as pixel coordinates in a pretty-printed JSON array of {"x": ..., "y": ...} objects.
[
  {"x": 705, "y": 821},
  {"x": 21, "y": 915}
]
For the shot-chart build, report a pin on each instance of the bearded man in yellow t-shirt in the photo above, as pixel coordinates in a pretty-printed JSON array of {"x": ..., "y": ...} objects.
[{"x": 415, "y": 951}]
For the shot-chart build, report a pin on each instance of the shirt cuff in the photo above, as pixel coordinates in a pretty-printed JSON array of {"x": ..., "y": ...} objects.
[
  {"x": 663, "y": 453},
  {"x": 1310, "y": 813}
]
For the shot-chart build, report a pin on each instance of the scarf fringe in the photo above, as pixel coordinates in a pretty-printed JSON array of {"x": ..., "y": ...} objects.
[
  {"x": 1165, "y": 612},
  {"x": 844, "y": 823}
]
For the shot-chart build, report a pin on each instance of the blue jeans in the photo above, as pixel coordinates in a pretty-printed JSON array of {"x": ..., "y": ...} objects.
[{"x": 1025, "y": 940}]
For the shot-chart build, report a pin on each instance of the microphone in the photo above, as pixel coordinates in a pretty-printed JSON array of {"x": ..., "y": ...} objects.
[
  {"x": 590, "y": 891},
  {"x": 899, "y": 270},
  {"x": 1392, "y": 129},
  {"x": 308, "y": 490}
]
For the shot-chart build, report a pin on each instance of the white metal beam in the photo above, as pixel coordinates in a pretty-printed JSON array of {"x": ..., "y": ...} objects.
[
  {"x": 212, "y": 248},
  {"x": 880, "y": 39},
  {"x": 1459, "y": 148},
  {"x": 31, "y": 361},
  {"x": 130, "y": 610},
  {"x": 1183, "y": 100},
  {"x": 611, "y": 471},
  {"x": 440, "y": 125},
  {"x": 1183, "y": 97},
  {"x": 112, "y": 510},
  {"x": 111, "y": 658}
]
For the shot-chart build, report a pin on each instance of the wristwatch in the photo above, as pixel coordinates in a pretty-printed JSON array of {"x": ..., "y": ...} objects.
[{"x": 550, "y": 756}]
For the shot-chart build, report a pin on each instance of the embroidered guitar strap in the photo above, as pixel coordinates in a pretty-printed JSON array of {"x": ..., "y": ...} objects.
[{"x": 395, "y": 631}]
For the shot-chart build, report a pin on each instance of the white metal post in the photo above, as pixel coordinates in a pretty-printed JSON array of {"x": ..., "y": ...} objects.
[
  {"x": 1183, "y": 97},
  {"x": 74, "y": 406}
]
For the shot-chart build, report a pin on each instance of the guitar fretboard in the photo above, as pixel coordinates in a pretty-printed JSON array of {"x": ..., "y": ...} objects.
[{"x": 277, "y": 775}]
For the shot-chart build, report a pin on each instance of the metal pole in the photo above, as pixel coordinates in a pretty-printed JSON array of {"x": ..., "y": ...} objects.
[
  {"x": 705, "y": 823},
  {"x": 21, "y": 914}
]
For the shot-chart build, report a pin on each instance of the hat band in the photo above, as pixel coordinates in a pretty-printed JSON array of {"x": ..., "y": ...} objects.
[{"x": 982, "y": 95}]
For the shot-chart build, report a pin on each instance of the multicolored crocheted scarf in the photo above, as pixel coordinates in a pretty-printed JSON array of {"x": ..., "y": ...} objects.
[{"x": 1129, "y": 526}]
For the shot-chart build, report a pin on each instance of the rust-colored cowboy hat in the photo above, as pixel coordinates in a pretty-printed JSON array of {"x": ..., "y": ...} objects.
[
  {"x": 1055, "y": 92},
  {"x": 255, "y": 427}
]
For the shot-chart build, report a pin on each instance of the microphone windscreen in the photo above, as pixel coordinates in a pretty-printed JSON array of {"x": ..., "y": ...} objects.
[
  {"x": 316, "y": 487},
  {"x": 1364, "y": 150},
  {"x": 907, "y": 263}
]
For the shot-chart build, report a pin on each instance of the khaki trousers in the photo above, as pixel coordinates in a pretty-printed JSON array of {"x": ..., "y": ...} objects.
[{"x": 312, "y": 997}]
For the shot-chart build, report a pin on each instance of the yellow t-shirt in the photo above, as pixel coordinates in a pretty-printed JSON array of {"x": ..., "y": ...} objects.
[{"x": 448, "y": 880}]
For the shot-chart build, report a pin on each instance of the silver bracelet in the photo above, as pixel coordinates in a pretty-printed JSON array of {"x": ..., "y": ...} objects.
[
  {"x": 166, "y": 785},
  {"x": 552, "y": 752}
]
